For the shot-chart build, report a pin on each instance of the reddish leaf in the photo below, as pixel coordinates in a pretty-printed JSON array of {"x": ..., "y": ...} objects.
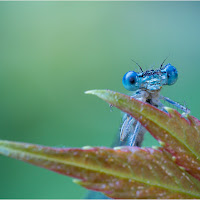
[
  {"x": 129, "y": 172},
  {"x": 179, "y": 136}
]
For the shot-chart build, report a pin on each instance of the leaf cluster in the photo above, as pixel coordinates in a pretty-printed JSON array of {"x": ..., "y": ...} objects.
[{"x": 171, "y": 171}]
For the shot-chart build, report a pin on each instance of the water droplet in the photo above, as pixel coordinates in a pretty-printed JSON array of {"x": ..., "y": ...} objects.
[
  {"x": 87, "y": 147},
  {"x": 173, "y": 158}
]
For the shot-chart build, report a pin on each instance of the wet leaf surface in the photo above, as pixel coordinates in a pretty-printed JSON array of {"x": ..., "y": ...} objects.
[
  {"x": 128, "y": 172},
  {"x": 179, "y": 136}
]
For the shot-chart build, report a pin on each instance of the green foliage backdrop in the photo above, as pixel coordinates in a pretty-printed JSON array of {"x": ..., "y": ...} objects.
[{"x": 51, "y": 52}]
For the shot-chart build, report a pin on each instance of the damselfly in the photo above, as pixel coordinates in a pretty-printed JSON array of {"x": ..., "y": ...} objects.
[{"x": 147, "y": 86}]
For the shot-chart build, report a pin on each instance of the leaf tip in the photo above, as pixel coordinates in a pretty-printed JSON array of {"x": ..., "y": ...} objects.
[
  {"x": 90, "y": 92},
  {"x": 99, "y": 93},
  {"x": 4, "y": 150}
]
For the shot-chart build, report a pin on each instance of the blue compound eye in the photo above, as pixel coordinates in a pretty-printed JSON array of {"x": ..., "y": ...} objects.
[
  {"x": 172, "y": 74},
  {"x": 129, "y": 80}
]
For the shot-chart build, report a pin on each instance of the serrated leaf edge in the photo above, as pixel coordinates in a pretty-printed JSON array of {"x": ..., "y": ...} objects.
[{"x": 109, "y": 172}]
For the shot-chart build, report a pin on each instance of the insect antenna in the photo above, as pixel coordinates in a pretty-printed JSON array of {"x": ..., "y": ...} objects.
[
  {"x": 163, "y": 62},
  {"x": 137, "y": 65}
]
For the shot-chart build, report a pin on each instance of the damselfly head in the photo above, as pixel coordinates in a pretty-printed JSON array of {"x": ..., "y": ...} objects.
[{"x": 150, "y": 80}]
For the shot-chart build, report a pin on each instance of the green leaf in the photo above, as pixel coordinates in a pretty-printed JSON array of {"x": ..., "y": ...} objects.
[
  {"x": 177, "y": 135},
  {"x": 128, "y": 172}
]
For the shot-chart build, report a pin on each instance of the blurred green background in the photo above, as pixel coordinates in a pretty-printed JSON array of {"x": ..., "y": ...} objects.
[{"x": 51, "y": 52}]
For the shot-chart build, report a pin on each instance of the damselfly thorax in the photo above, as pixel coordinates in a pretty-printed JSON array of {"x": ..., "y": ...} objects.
[{"x": 147, "y": 86}]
